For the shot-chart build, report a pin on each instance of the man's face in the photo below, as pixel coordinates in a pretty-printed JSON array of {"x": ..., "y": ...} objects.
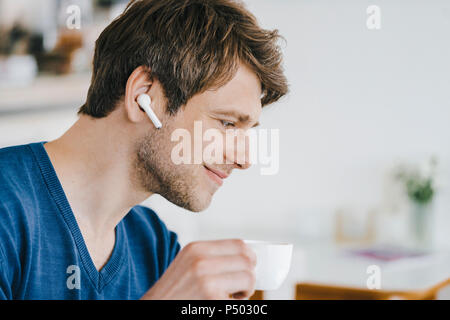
[{"x": 236, "y": 105}]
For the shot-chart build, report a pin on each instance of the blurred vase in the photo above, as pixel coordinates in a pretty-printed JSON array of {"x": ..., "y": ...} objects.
[{"x": 422, "y": 225}]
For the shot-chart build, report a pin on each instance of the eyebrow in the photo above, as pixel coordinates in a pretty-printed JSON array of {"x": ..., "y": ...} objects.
[{"x": 243, "y": 118}]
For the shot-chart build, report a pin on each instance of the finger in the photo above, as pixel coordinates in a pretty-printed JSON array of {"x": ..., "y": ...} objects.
[
  {"x": 240, "y": 296},
  {"x": 224, "y": 264},
  {"x": 221, "y": 247},
  {"x": 241, "y": 283}
]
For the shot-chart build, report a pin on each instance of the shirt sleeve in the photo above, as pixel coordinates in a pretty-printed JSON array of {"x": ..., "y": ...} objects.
[
  {"x": 174, "y": 248},
  {"x": 166, "y": 241},
  {"x": 5, "y": 287}
]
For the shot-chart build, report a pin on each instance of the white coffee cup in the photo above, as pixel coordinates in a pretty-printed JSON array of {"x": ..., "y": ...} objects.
[{"x": 273, "y": 263}]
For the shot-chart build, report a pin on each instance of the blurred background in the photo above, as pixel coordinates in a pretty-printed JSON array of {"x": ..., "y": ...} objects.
[{"x": 364, "y": 133}]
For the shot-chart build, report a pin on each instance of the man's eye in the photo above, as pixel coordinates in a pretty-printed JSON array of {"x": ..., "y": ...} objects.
[{"x": 227, "y": 124}]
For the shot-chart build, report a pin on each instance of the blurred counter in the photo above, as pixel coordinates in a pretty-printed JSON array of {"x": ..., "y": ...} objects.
[
  {"x": 44, "y": 94},
  {"x": 332, "y": 265}
]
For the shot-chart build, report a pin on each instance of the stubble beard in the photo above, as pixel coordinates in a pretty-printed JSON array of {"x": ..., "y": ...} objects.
[{"x": 155, "y": 172}]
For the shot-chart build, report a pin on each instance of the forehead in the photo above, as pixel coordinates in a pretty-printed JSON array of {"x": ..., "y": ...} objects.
[{"x": 241, "y": 94}]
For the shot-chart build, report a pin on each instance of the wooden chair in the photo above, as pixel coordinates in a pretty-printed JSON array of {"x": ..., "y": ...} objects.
[
  {"x": 258, "y": 295},
  {"x": 313, "y": 291}
]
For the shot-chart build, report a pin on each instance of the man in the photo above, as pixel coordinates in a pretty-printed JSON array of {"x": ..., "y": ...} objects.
[{"x": 70, "y": 223}]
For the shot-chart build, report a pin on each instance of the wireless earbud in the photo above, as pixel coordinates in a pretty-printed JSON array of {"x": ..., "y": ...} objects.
[{"x": 144, "y": 102}]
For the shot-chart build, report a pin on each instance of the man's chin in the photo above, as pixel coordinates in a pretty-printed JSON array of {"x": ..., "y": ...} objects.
[
  {"x": 193, "y": 204},
  {"x": 199, "y": 206}
]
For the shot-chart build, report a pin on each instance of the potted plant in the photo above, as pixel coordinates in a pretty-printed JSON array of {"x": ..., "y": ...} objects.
[{"x": 420, "y": 189}]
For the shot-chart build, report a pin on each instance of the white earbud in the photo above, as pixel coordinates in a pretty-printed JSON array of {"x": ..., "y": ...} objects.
[{"x": 144, "y": 101}]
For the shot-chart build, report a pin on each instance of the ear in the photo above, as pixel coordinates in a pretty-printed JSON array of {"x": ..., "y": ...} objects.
[{"x": 139, "y": 82}]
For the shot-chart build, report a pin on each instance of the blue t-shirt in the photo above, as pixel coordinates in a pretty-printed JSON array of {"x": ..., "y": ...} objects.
[{"x": 42, "y": 251}]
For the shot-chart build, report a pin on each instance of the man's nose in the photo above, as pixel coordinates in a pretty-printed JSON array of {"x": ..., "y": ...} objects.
[
  {"x": 239, "y": 153},
  {"x": 244, "y": 166}
]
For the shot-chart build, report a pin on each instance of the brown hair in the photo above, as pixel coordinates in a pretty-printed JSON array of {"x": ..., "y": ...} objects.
[{"x": 188, "y": 45}]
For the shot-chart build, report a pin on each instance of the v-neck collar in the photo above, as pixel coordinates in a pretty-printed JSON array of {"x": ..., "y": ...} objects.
[{"x": 110, "y": 269}]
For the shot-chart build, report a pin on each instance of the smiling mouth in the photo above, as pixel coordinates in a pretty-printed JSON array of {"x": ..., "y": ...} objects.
[{"x": 215, "y": 175}]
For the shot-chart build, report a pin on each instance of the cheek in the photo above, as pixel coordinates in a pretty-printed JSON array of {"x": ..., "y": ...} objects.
[{"x": 186, "y": 135}]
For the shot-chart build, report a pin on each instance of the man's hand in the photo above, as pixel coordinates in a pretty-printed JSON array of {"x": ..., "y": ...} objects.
[{"x": 208, "y": 270}]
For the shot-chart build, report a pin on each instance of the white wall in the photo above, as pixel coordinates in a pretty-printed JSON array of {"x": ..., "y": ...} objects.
[
  {"x": 360, "y": 101},
  {"x": 33, "y": 14}
]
